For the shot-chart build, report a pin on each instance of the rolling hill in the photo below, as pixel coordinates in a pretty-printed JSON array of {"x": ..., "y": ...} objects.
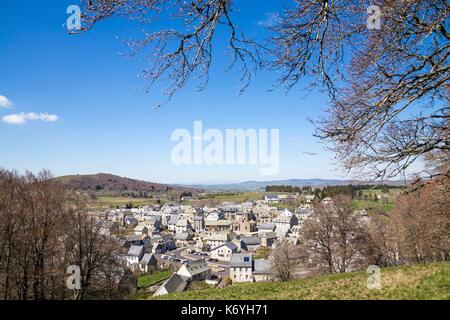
[{"x": 108, "y": 184}]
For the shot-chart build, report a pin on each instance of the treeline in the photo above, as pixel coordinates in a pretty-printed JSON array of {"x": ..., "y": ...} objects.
[
  {"x": 44, "y": 229},
  {"x": 330, "y": 191}
]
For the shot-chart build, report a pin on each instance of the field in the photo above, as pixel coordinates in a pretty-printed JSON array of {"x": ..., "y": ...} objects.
[
  {"x": 101, "y": 203},
  {"x": 151, "y": 279},
  {"x": 235, "y": 197},
  {"x": 368, "y": 202},
  {"x": 427, "y": 281}
]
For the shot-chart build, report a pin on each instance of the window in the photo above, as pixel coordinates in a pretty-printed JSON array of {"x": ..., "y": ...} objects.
[{"x": 246, "y": 259}]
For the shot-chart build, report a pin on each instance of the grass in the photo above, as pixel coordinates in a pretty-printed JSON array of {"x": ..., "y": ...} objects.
[
  {"x": 417, "y": 282},
  {"x": 370, "y": 204},
  {"x": 113, "y": 202},
  {"x": 154, "y": 278},
  {"x": 262, "y": 253},
  {"x": 234, "y": 197}
]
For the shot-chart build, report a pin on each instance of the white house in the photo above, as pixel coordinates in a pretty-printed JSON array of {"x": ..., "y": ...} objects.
[
  {"x": 244, "y": 269},
  {"x": 182, "y": 226},
  {"x": 224, "y": 252},
  {"x": 241, "y": 267},
  {"x": 134, "y": 255},
  {"x": 215, "y": 239},
  {"x": 140, "y": 229},
  {"x": 215, "y": 215},
  {"x": 271, "y": 198},
  {"x": 284, "y": 223}
]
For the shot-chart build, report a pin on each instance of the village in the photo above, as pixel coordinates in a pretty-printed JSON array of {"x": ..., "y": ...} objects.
[{"x": 217, "y": 245}]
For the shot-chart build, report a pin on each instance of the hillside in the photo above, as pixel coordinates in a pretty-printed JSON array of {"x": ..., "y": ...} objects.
[
  {"x": 108, "y": 184},
  {"x": 428, "y": 281}
]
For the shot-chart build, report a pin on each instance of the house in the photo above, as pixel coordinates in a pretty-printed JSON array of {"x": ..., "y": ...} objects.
[
  {"x": 272, "y": 199},
  {"x": 162, "y": 244},
  {"x": 201, "y": 246},
  {"x": 140, "y": 229},
  {"x": 268, "y": 239},
  {"x": 309, "y": 198},
  {"x": 224, "y": 252},
  {"x": 172, "y": 222},
  {"x": 107, "y": 227},
  {"x": 195, "y": 271},
  {"x": 241, "y": 267},
  {"x": 130, "y": 221},
  {"x": 134, "y": 255},
  {"x": 215, "y": 239},
  {"x": 284, "y": 223},
  {"x": 266, "y": 227},
  {"x": 217, "y": 225},
  {"x": 295, "y": 232},
  {"x": 198, "y": 223},
  {"x": 245, "y": 226},
  {"x": 174, "y": 284},
  {"x": 215, "y": 215},
  {"x": 244, "y": 269},
  {"x": 153, "y": 223},
  {"x": 183, "y": 226},
  {"x": 229, "y": 211},
  {"x": 148, "y": 263},
  {"x": 250, "y": 243},
  {"x": 262, "y": 270},
  {"x": 137, "y": 240},
  {"x": 304, "y": 213},
  {"x": 185, "y": 239}
]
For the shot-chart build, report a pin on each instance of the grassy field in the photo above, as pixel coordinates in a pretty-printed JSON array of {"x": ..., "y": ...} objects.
[
  {"x": 233, "y": 197},
  {"x": 428, "y": 281},
  {"x": 151, "y": 279},
  {"x": 113, "y": 202}
]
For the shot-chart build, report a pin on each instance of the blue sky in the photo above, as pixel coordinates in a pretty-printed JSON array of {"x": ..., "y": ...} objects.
[{"x": 105, "y": 125}]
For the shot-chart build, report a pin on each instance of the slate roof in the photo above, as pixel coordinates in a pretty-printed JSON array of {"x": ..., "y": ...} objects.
[
  {"x": 197, "y": 267},
  {"x": 146, "y": 259},
  {"x": 175, "y": 284},
  {"x": 242, "y": 260},
  {"x": 262, "y": 266},
  {"x": 217, "y": 222},
  {"x": 135, "y": 251},
  {"x": 249, "y": 241},
  {"x": 230, "y": 245},
  {"x": 267, "y": 226}
]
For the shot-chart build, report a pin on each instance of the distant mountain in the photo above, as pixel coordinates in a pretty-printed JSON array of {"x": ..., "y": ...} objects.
[
  {"x": 261, "y": 185},
  {"x": 108, "y": 184}
]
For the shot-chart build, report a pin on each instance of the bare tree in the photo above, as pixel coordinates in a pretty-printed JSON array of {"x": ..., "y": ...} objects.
[
  {"x": 181, "y": 53},
  {"x": 421, "y": 221},
  {"x": 44, "y": 229},
  {"x": 333, "y": 236},
  {"x": 286, "y": 259}
]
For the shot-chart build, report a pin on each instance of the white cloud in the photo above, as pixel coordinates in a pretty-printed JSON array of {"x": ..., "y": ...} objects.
[
  {"x": 5, "y": 102},
  {"x": 21, "y": 118},
  {"x": 272, "y": 19}
]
